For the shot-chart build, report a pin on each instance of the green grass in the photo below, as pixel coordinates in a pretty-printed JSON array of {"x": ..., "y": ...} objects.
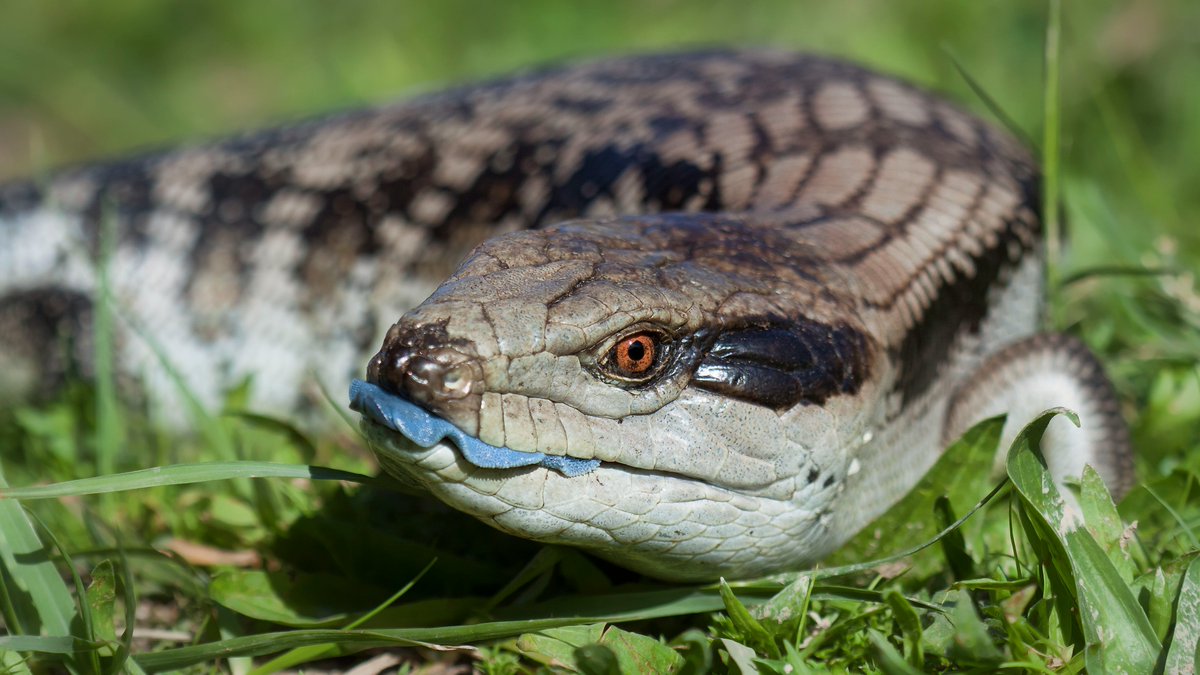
[{"x": 223, "y": 564}]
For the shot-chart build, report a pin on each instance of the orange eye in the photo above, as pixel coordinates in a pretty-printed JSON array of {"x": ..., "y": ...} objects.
[{"x": 635, "y": 354}]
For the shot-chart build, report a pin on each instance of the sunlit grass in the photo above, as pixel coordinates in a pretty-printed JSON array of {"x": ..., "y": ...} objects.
[{"x": 774, "y": 627}]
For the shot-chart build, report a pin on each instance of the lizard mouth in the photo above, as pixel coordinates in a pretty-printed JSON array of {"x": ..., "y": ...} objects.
[{"x": 426, "y": 430}]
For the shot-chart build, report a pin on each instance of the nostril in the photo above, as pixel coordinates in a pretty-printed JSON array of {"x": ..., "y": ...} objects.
[
  {"x": 445, "y": 376},
  {"x": 453, "y": 380},
  {"x": 423, "y": 378},
  {"x": 423, "y": 372},
  {"x": 457, "y": 381},
  {"x": 428, "y": 378}
]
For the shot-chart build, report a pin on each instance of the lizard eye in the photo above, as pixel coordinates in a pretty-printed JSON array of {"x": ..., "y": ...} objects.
[{"x": 636, "y": 357}]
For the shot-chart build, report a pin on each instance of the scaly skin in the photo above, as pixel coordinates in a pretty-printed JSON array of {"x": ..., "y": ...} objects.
[{"x": 865, "y": 248}]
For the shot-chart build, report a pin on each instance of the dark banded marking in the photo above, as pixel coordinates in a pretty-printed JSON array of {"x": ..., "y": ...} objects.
[
  {"x": 46, "y": 332},
  {"x": 780, "y": 365}
]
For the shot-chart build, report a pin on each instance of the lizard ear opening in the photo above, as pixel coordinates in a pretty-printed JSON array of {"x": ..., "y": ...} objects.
[{"x": 781, "y": 364}]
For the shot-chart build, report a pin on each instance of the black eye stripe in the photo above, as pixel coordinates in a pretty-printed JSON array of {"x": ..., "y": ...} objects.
[
  {"x": 776, "y": 347},
  {"x": 780, "y": 365}
]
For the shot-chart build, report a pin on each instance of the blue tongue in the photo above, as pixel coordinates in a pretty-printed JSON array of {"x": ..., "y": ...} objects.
[{"x": 419, "y": 426}]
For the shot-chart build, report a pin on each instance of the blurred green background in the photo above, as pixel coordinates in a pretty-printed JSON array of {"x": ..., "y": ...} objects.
[
  {"x": 87, "y": 79},
  {"x": 82, "y": 80}
]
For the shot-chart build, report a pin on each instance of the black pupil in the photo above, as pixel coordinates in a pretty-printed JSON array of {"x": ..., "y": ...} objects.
[{"x": 637, "y": 350}]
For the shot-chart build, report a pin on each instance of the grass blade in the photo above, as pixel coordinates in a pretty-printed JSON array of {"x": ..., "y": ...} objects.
[
  {"x": 1183, "y": 653},
  {"x": 84, "y": 627},
  {"x": 962, "y": 473},
  {"x": 1118, "y": 634},
  {"x": 45, "y": 644},
  {"x": 41, "y": 600},
  {"x": 1051, "y": 124},
  {"x": 563, "y": 611},
  {"x": 886, "y": 657},
  {"x": 270, "y": 643},
  {"x": 855, "y": 568},
  {"x": 306, "y": 654},
  {"x": 749, "y": 631},
  {"x": 909, "y": 622},
  {"x": 108, "y": 413},
  {"x": 181, "y": 474},
  {"x": 987, "y": 99}
]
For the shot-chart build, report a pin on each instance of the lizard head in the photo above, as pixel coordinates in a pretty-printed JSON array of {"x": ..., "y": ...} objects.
[{"x": 702, "y": 377}]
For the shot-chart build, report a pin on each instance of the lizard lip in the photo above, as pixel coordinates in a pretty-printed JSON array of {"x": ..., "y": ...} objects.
[{"x": 426, "y": 430}]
